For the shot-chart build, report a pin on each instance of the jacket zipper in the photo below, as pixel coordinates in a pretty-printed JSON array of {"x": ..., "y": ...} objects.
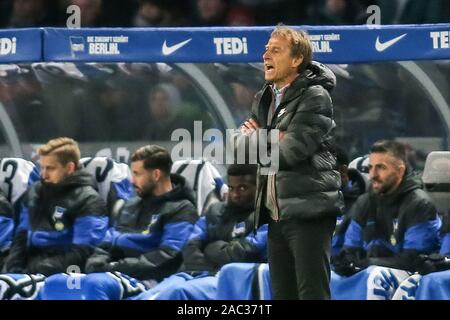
[
  {"x": 272, "y": 178},
  {"x": 273, "y": 193}
]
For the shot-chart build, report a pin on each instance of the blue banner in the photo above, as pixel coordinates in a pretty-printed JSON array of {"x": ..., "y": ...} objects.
[
  {"x": 332, "y": 44},
  {"x": 20, "y": 45}
]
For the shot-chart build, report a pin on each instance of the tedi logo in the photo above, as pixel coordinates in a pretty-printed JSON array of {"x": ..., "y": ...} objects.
[
  {"x": 7, "y": 46},
  {"x": 231, "y": 45},
  {"x": 441, "y": 39}
]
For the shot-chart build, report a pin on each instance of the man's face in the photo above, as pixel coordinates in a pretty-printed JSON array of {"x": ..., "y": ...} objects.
[
  {"x": 53, "y": 171},
  {"x": 143, "y": 180},
  {"x": 242, "y": 190},
  {"x": 385, "y": 172},
  {"x": 279, "y": 65}
]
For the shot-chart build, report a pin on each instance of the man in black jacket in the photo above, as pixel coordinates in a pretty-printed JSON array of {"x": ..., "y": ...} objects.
[
  {"x": 62, "y": 217},
  {"x": 394, "y": 222},
  {"x": 223, "y": 235},
  {"x": 148, "y": 234},
  {"x": 303, "y": 197}
]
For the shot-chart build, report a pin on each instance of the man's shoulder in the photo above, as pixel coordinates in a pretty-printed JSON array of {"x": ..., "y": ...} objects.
[
  {"x": 417, "y": 198},
  {"x": 177, "y": 206},
  {"x": 215, "y": 211},
  {"x": 302, "y": 96},
  {"x": 361, "y": 206},
  {"x": 32, "y": 193},
  {"x": 84, "y": 192},
  {"x": 133, "y": 202},
  {"x": 316, "y": 90},
  {"x": 363, "y": 198}
]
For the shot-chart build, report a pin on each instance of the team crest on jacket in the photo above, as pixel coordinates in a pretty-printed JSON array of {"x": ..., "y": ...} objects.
[
  {"x": 394, "y": 232},
  {"x": 153, "y": 220},
  {"x": 58, "y": 216},
  {"x": 238, "y": 229}
]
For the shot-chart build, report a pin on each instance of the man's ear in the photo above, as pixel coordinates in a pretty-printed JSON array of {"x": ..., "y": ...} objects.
[
  {"x": 297, "y": 61},
  {"x": 402, "y": 169},
  {"x": 156, "y": 174},
  {"x": 71, "y": 167}
]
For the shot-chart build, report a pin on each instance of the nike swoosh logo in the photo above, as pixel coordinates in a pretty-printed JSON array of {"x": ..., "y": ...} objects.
[
  {"x": 383, "y": 46},
  {"x": 171, "y": 49},
  {"x": 282, "y": 111}
]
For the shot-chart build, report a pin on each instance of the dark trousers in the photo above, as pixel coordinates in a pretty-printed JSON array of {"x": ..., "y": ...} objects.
[{"x": 299, "y": 258}]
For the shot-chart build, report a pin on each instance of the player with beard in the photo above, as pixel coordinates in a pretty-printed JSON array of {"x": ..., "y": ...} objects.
[
  {"x": 153, "y": 228},
  {"x": 148, "y": 234},
  {"x": 394, "y": 222},
  {"x": 223, "y": 235}
]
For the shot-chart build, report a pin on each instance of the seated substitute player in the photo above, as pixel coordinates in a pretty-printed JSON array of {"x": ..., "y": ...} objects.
[
  {"x": 62, "y": 219},
  {"x": 244, "y": 281},
  {"x": 149, "y": 233},
  {"x": 390, "y": 226},
  {"x": 225, "y": 234}
]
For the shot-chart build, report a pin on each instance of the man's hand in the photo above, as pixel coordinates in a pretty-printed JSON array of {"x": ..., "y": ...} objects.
[
  {"x": 281, "y": 135},
  {"x": 347, "y": 263},
  {"x": 432, "y": 263},
  {"x": 46, "y": 266},
  {"x": 249, "y": 126}
]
